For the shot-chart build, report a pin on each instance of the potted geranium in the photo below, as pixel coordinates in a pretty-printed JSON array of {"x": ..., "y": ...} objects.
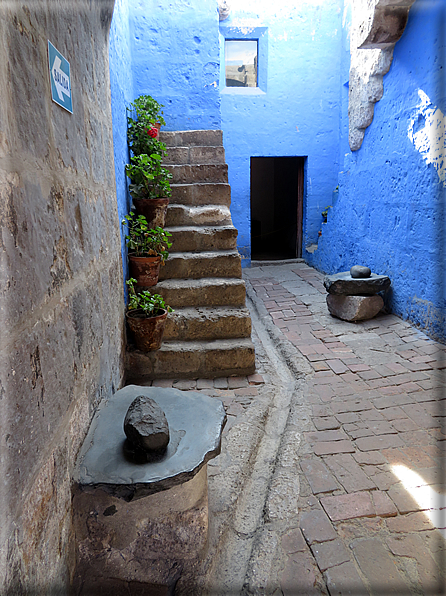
[
  {"x": 149, "y": 187},
  {"x": 144, "y": 119},
  {"x": 146, "y": 315},
  {"x": 148, "y": 249}
]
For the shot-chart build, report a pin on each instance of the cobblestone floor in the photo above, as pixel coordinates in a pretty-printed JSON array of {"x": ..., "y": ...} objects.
[{"x": 371, "y": 508}]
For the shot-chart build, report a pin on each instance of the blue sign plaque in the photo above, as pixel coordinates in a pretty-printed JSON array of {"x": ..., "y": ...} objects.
[{"x": 60, "y": 78}]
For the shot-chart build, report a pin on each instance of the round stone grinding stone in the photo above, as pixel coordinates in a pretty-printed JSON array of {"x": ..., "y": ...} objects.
[
  {"x": 145, "y": 424},
  {"x": 360, "y": 272}
]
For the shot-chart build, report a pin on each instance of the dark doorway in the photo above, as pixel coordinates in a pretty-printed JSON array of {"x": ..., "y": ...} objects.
[{"x": 276, "y": 202}]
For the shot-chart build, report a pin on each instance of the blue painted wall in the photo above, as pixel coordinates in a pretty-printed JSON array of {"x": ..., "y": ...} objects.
[
  {"x": 390, "y": 212},
  {"x": 169, "y": 51},
  {"x": 296, "y": 112},
  {"x": 120, "y": 60},
  {"x": 175, "y": 58}
]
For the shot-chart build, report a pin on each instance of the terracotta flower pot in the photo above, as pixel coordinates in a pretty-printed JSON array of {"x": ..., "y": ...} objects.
[
  {"x": 147, "y": 331},
  {"x": 145, "y": 270},
  {"x": 154, "y": 210}
]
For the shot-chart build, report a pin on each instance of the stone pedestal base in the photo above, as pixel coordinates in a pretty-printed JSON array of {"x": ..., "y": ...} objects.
[
  {"x": 138, "y": 525},
  {"x": 141, "y": 546},
  {"x": 354, "y": 308}
]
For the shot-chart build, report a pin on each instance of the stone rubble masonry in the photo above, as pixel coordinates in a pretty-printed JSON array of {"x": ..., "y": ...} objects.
[{"x": 62, "y": 287}]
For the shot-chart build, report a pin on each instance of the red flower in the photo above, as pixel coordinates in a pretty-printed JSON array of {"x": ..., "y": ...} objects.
[{"x": 152, "y": 132}]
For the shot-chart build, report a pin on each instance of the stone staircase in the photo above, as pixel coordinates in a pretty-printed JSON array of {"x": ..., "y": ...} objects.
[{"x": 209, "y": 334}]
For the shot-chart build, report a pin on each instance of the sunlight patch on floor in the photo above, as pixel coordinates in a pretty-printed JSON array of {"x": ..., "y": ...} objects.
[{"x": 431, "y": 502}]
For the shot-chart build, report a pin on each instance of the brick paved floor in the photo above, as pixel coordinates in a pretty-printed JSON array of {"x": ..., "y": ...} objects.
[
  {"x": 236, "y": 393},
  {"x": 372, "y": 459},
  {"x": 373, "y": 463}
]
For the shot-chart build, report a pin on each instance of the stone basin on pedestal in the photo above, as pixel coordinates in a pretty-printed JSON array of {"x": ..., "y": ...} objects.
[
  {"x": 345, "y": 285},
  {"x": 137, "y": 525}
]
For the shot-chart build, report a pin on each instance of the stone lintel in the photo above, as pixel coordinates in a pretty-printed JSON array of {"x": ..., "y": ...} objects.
[
  {"x": 376, "y": 27},
  {"x": 387, "y": 24}
]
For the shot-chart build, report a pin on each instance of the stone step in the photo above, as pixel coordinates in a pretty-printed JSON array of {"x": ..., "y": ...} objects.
[
  {"x": 205, "y": 323},
  {"x": 192, "y": 359},
  {"x": 215, "y": 291},
  {"x": 209, "y": 334},
  {"x": 194, "y": 155},
  {"x": 202, "y": 238},
  {"x": 206, "y": 215},
  {"x": 192, "y": 174},
  {"x": 192, "y": 138},
  {"x": 191, "y": 265},
  {"x": 204, "y": 193}
]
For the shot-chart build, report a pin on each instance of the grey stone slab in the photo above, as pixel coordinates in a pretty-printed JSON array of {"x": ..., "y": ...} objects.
[
  {"x": 195, "y": 424},
  {"x": 344, "y": 284}
]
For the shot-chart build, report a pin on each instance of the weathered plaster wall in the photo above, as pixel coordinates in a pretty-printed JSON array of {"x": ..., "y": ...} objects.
[
  {"x": 390, "y": 213},
  {"x": 61, "y": 303},
  {"x": 121, "y": 85},
  {"x": 295, "y": 112},
  {"x": 175, "y": 58},
  {"x": 376, "y": 27}
]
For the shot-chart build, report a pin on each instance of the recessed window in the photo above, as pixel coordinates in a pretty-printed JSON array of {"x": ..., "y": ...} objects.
[{"x": 241, "y": 63}]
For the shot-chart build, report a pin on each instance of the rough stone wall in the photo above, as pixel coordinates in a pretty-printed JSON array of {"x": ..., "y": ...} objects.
[
  {"x": 61, "y": 302},
  {"x": 376, "y": 27},
  {"x": 390, "y": 211}
]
